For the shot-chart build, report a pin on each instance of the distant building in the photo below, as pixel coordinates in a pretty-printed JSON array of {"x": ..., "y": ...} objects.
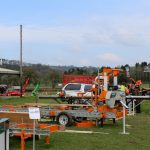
[
  {"x": 12, "y": 62},
  {"x": 3, "y": 61}
]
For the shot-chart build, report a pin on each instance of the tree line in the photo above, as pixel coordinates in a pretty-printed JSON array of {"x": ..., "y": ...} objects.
[{"x": 52, "y": 75}]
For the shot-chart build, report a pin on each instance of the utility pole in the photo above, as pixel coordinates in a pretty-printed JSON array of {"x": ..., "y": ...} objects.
[{"x": 20, "y": 60}]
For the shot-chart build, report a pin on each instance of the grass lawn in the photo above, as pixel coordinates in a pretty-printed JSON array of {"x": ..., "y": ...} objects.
[
  {"x": 146, "y": 85},
  {"x": 138, "y": 126},
  {"x": 23, "y": 100}
]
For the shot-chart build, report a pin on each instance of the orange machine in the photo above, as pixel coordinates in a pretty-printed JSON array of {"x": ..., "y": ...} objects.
[
  {"x": 103, "y": 81},
  {"x": 105, "y": 101},
  {"x": 101, "y": 99}
]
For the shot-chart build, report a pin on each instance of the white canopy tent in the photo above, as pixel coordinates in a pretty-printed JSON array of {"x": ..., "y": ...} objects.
[{"x": 9, "y": 71}]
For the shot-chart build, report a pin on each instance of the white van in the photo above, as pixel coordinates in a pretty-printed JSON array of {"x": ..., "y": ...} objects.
[{"x": 72, "y": 89}]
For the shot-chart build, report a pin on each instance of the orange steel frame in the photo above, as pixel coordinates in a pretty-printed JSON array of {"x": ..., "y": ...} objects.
[{"x": 23, "y": 135}]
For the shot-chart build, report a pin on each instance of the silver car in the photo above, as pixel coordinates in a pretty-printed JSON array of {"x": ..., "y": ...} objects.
[{"x": 72, "y": 89}]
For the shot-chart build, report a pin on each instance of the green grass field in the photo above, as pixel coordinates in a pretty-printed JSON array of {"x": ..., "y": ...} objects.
[
  {"x": 138, "y": 126},
  {"x": 146, "y": 85}
]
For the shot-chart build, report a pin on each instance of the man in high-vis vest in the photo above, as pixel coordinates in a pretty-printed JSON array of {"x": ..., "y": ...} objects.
[{"x": 122, "y": 88}]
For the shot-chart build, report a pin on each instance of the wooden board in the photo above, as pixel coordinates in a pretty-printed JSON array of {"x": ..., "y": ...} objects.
[
  {"x": 42, "y": 104},
  {"x": 16, "y": 117}
]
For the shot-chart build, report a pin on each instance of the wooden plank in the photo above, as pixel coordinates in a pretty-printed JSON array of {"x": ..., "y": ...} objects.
[
  {"x": 18, "y": 117},
  {"x": 42, "y": 104}
]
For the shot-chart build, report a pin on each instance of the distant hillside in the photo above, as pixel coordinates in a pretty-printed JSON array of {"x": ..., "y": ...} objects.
[
  {"x": 45, "y": 74},
  {"x": 51, "y": 75}
]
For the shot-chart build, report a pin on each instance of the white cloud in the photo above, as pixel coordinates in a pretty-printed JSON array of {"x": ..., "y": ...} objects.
[
  {"x": 123, "y": 30},
  {"x": 110, "y": 57},
  {"x": 127, "y": 34},
  {"x": 131, "y": 30}
]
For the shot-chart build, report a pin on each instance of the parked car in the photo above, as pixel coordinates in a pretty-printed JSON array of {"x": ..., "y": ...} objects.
[{"x": 72, "y": 89}]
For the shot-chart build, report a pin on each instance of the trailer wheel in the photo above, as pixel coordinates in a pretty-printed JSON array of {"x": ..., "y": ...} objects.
[{"x": 64, "y": 119}]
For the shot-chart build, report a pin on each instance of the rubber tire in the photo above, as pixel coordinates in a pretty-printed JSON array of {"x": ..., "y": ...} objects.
[{"x": 69, "y": 123}]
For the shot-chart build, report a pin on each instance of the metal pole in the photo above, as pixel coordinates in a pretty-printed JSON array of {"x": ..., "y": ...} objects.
[
  {"x": 98, "y": 83},
  {"x": 20, "y": 60},
  {"x": 130, "y": 108},
  {"x": 134, "y": 107},
  {"x": 124, "y": 117},
  {"x": 34, "y": 135},
  {"x": 149, "y": 78},
  {"x": 124, "y": 121}
]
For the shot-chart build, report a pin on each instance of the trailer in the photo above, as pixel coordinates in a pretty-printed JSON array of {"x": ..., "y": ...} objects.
[
  {"x": 104, "y": 104},
  {"x": 66, "y": 114}
]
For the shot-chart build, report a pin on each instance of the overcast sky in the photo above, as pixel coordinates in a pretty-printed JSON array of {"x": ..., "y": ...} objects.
[{"x": 76, "y": 32}]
